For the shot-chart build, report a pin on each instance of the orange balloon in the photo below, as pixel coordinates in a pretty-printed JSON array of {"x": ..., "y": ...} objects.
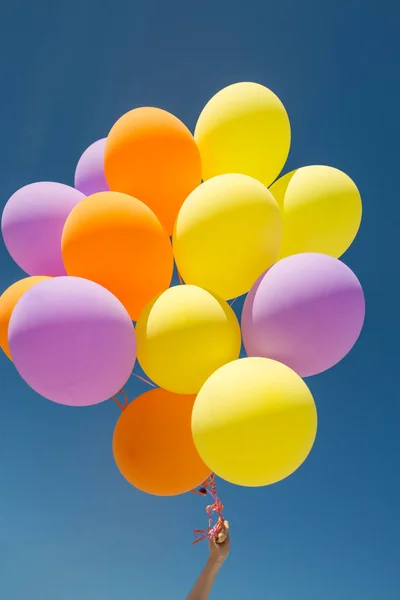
[
  {"x": 153, "y": 444},
  {"x": 8, "y": 300},
  {"x": 118, "y": 242},
  {"x": 151, "y": 154}
]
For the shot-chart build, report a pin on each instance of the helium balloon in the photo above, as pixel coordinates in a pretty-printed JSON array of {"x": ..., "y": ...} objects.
[
  {"x": 89, "y": 174},
  {"x": 32, "y": 225},
  {"x": 184, "y": 335},
  {"x": 307, "y": 311},
  {"x": 153, "y": 445},
  {"x": 8, "y": 301},
  {"x": 228, "y": 232},
  {"x": 321, "y": 210},
  {"x": 72, "y": 341},
  {"x": 117, "y": 241},
  {"x": 254, "y": 422},
  {"x": 244, "y": 129},
  {"x": 151, "y": 155}
]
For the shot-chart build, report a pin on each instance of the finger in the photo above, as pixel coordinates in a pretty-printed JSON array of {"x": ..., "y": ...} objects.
[
  {"x": 225, "y": 529},
  {"x": 221, "y": 537}
]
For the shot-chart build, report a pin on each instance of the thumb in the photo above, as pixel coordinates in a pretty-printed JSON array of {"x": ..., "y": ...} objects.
[{"x": 223, "y": 534}]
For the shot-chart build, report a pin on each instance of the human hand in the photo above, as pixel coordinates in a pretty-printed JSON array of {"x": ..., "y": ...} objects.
[{"x": 220, "y": 547}]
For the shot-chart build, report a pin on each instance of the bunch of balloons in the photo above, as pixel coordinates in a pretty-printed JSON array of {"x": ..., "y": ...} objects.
[{"x": 101, "y": 255}]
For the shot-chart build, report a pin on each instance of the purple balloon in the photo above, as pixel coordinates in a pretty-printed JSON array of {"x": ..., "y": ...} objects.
[
  {"x": 89, "y": 174},
  {"x": 72, "y": 341},
  {"x": 307, "y": 311},
  {"x": 32, "y": 225}
]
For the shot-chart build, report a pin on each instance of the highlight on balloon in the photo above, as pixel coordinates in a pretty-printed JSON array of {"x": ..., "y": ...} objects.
[{"x": 140, "y": 262}]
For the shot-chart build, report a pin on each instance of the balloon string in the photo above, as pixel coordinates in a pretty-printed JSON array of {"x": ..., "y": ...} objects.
[
  {"x": 144, "y": 380},
  {"x": 126, "y": 400},
  {"x": 232, "y": 302},
  {"x": 216, "y": 508}
]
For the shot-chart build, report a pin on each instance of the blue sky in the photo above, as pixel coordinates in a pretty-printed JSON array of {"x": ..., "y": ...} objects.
[{"x": 70, "y": 526}]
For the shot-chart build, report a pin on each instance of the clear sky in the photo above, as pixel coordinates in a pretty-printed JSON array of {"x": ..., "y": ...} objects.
[{"x": 70, "y": 526}]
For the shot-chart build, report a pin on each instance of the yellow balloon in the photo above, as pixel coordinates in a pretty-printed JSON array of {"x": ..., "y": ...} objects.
[
  {"x": 321, "y": 210},
  {"x": 184, "y": 335},
  {"x": 228, "y": 232},
  {"x": 254, "y": 422},
  {"x": 244, "y": 129}
]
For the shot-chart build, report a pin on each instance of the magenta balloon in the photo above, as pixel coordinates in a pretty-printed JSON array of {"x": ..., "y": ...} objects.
[
  {"x": 72, "y": 341},
  {"x": 32, "y": 225},
  {"x": 89, "y": 174},
  {"x": 306, "y": 311}
]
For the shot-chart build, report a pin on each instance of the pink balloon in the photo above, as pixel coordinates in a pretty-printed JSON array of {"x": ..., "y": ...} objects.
[
  {"x": 32, "y": 225},
  {"x": 72, "y": 341},
  {"x": 89, "y": 174},
  {"x": 307, "y": 311}
]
